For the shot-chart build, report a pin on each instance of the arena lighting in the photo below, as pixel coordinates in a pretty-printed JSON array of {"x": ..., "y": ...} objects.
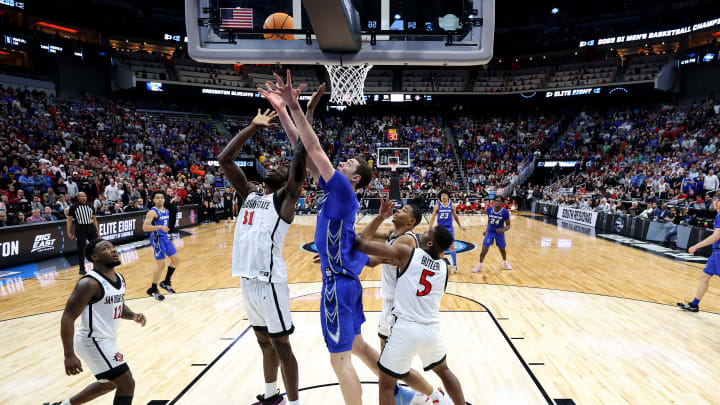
[
  {"x": 618, "y": 89},
  {"x": 530, "y": 96},
  {"x": 57, "y": 27},
  {"x": 554, "y": 10}
]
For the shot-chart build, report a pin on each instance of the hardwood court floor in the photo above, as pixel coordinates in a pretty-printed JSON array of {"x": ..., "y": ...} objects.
[{"x": 598, "y": 326}]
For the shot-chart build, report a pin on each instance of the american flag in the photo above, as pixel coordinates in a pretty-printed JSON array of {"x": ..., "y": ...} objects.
[{"x": 236, "y": 17}]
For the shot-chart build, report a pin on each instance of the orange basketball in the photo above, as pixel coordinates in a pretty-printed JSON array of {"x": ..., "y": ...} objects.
[{"x": 278, "y": 21}]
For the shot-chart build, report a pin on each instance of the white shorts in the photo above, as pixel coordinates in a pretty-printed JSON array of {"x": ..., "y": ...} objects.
[
  {"x": 267, "y": 306},
  {"x": 408, "y": 339},
  {"x": 102, "y": 356},
  {"x": 386, "y": 319}
]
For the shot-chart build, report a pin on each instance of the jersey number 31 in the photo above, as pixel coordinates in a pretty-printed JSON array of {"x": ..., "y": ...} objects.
[{"x": 247, "y": 220}]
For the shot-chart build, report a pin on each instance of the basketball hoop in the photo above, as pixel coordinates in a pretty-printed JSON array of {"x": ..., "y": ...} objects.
[
  {"x": 348, "y": 83},
  {"x": 393, "y": 166}
]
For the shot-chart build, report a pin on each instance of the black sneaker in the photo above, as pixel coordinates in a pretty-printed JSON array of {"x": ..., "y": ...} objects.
[
  {"x": 155, "y": 294},
  {"x": 167, "y": 287},
  {"x": 688, "y": 307},
  {"x": 276, "y": 399},
  {"x": 52, "y": 403}
]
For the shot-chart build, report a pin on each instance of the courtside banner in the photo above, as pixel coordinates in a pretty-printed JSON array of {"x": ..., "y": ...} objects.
[
  {"x": 584, "y": 217},
  {"x": 33, "y": 242}
]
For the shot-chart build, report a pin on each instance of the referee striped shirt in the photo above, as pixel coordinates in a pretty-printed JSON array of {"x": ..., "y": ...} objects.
[{"x": 83, "y": 213}]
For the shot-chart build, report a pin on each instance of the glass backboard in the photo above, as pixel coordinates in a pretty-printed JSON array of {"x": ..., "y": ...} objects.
[{"x": 394, "y": 32}]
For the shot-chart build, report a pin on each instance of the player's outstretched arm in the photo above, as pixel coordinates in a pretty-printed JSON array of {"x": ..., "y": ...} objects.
[
  {"x": 84, "y": 291},
  {"x": 386, "y": 211},
  {"x": 296, "y": 177},
  {"x": 234, "y": 174},
  {"x": 305, "y": 131},
  {"x": 288, "y": 126},
  {"x": 399, "y": 253}
]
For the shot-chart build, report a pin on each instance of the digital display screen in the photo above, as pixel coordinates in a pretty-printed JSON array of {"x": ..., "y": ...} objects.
[{"x": 427, "y": 16}]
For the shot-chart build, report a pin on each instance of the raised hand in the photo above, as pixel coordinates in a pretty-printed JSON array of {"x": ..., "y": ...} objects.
[
  {"x": 285, "y": 89},
  {"x": 275, "y": 100},
  {"x": 386, "y": 207},
  {"x": 263, "y": 119},
  {"x": 316, "y": 96}
]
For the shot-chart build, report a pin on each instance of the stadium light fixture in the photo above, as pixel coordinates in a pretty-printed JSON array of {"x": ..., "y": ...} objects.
[{"x": 555, "y": 10}]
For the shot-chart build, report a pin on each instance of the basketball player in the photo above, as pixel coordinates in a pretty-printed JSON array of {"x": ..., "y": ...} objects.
[
  {"x": 416, "y": 329},
  {"x": 404, "y": 221},
  {"x": 445, "y": 212},
  {"x": 712, "y": 267},
  {"x": 498, "y": 224},
  {"x": 260, "y": 229},
  {"x": 341, "y": 312},
  {"x": 99, "y": 299},
  {"x": 157, "y": 222}
]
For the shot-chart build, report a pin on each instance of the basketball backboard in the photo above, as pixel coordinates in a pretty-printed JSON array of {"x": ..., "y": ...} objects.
[
  {"x": 393, "y": 32},
  {"x": 389, "y": 157}
]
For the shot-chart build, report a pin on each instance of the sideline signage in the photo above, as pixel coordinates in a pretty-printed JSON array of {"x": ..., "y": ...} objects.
[
  {"x": 30, "y": 243},
  {"x": 584, "y": 217}
]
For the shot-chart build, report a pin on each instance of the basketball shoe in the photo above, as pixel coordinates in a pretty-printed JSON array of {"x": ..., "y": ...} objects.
[
  {"x": 506, "y": 265},
  {"x": 167, "y": 287},
  {"x": 477, "y": 268},
  {"x": 276, "y": 399},
  {"x": 688, "y": 307},
  {"x": 155, "y": 294}
]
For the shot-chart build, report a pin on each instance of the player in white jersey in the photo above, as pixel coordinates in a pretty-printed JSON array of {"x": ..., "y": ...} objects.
[
  {"x": 404, "y": 221},
  {"x": 99, "y": 299},
  {"x": 260, "y": 229},
  {"x": 416, "y": 330}
]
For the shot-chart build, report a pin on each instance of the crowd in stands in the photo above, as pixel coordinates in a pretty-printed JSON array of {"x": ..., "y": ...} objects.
[
  {"x": 643, "y": 160},
  {"x": 51, "y": 149},
  {"x": 494, "y": 149}
]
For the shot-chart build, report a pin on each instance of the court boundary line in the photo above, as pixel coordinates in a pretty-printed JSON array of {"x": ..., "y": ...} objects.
[
  {"x": 502, "y": 332},
  {"x": 513, "y": 348}
]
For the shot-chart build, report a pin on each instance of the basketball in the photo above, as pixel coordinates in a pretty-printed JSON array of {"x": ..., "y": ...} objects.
[{"x": 278, "y": 21}]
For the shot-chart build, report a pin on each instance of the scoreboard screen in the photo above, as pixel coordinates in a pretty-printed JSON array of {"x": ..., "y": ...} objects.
[{"x": 392, "y": 134}]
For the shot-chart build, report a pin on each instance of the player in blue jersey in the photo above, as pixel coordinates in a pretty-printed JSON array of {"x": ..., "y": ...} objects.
[
  {"x": 498, "y": 224},
  {"x": 157, "y": 222},
  {"x": 712, "y": 268},
  {"x": 341, "y": 310},
  {"x": 445, "y": 212}
]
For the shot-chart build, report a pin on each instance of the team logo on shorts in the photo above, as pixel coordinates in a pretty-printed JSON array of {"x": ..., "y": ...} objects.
[
  {"x": 118, "y": 357},
  {"x": 461, "y": 246}
]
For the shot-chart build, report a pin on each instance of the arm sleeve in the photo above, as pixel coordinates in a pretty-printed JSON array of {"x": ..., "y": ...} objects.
[
  {"x": 342, "y": 200},
  {"x": 72, "y": 210}
]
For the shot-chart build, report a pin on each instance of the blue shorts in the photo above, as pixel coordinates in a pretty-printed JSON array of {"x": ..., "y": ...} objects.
[
  {"x": 341, "y": 312},
  {"x": 712, "y": 267},
  {"x": 498, "y": 238},
  {"x": 162, "y": 246}
]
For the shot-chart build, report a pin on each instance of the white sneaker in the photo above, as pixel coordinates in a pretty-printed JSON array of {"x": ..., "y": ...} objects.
[
  {"x": 477, "y": 268},
  {"x": 506, "y": 266}
]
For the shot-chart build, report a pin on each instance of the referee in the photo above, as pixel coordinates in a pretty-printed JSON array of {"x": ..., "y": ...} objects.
[{"x": 86, "y": 225}]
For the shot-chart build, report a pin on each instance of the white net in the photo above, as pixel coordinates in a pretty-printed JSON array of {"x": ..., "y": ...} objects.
[{"x": 348, "y": 83}]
